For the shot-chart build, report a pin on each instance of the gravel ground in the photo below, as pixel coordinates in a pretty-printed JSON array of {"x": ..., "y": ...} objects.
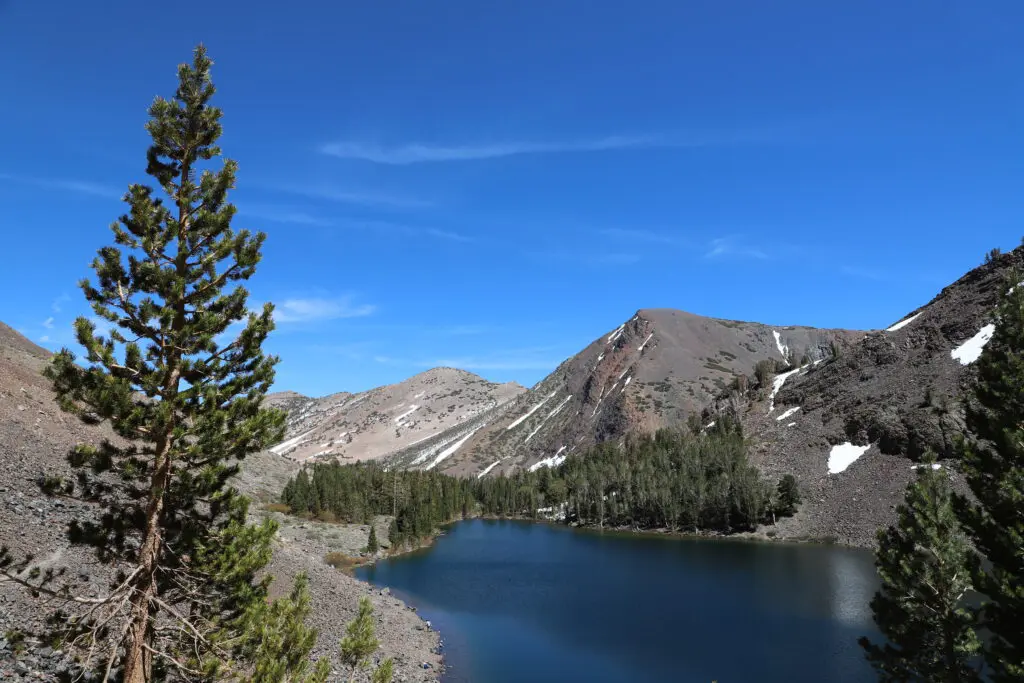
[{"x": 34, "y": 438}]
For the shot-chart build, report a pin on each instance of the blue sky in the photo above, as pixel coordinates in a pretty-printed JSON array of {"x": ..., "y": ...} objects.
[{"x": 493, "y": 185}]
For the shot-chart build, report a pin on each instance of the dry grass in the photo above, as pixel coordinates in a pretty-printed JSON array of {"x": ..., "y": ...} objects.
[{"x": 341, "y": 560}]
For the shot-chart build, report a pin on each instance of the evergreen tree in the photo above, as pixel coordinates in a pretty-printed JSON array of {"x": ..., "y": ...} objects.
[
  {"x": 993, "y": 464},
  {"x": 359, "y": 644},
  {"x": 187, "y": 405},
  {"x": 281, "y": 642},
  {"x": 926, "y": 563},
  {"x": 789, "y": 495},
  {"x": 372, "y": 545}
]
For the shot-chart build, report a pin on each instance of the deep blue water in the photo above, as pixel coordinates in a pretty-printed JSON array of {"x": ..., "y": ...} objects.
[{"x": 517, "y": 602}]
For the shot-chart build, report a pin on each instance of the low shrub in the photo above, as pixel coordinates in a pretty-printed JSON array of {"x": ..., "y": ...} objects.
[{"x": 340, "y": 560}]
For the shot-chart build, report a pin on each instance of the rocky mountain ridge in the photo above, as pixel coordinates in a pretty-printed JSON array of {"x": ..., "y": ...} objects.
[
  {"x": 851, "y": 429},
  {"x": 377, "y": 423},
  {"x": 848, "y": 412},
  {"x": 652, "y": 371}
]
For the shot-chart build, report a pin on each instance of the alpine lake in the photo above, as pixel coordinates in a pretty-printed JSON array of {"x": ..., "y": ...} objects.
[{"x": 519, "y": 602}]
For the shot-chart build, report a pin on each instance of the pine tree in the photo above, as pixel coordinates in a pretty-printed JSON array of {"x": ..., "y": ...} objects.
[
  {"x": 281, "y": 641},
  {"x": 789, "y": 495},
  {"x": 359, "y": 644},
  {"x": 186, "y": 402},
  {"x": 993, "y": 464},
  {"x": 926, "y": 564},
  {"x": 372, "y": 545}
]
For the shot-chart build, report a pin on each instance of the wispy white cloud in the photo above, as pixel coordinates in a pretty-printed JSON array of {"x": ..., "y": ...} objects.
[
  {"x": 85, "y": 187},
  {"x": 48, "y": 323},
  {"x": 646, "y": 236},
  {"x": 598, "y": 259},
  {"x": 282, "y": 214},
  {"x": 732, "y": 247},
  {"x": 59, "y": 302},
  {"x": 405, "y": 230},
  {"x": 45, "y": 338},
  {"x": 416, "y": 153},
  {"x": 448, "y": 235},
  {"x": 863, "y": 273},
  {"x": 356, "y": 197},
  {"x": 298, "y": 310}
]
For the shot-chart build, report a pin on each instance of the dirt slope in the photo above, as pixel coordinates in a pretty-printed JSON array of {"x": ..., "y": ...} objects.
[{"x": 35, "y": 436}]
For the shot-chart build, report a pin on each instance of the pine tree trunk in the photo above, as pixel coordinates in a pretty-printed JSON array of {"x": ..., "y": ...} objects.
[{"x": 138, "y": 662}]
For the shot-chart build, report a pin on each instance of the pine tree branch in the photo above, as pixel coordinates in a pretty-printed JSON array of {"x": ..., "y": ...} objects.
[
  {"x": 178, "y": 665},
  {"x": 211, "y": 284},
  {"x": 6, "y": 576},
  {"x": 177, "y": 615}
]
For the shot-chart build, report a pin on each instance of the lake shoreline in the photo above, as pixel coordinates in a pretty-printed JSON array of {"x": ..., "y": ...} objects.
[
  {"x": 668, "y": 534},
  {"x": 475, "y": 549}
]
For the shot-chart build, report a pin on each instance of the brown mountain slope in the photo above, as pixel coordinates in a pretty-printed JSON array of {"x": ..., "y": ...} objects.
[
  {"x": 652, "y": 371},
  {"x": 379, "y": 422}
]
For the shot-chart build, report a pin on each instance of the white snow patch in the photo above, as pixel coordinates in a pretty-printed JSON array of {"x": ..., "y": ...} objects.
[
  {"x": 454, "y": 447},
  {"x": 791, "y": 424},
  {"x": 598, "y": 404},
  {"x": 844, "y": 455},
  {"x": 422, "y": 440},
  {"x": 555, "y": 513},
  {"x": 935, "y": 466},
  {"x": 420, "y": 395},
  {"x": 777, "y": 384},
  {"x": 407, "y": 413},
  {"x": 970, "y": 350},
  {"x": 623, "y": 373},
  {"x": 327, "y": 452},
  {"x": 341, "y": 436},
  {"x": 554, "y": 461},
  {"x": 786, "y": 414},
  {"x": 709, "y": 425},
  {"x": 628, "y": 380},
  {"x": 531, "y": 411},
  {"x": 600, "y": 358},
  {"x": 783, "y": 349},
  {"x": 549, "y": 416},
  {"x": 614, "y": 335},
  {"x": 358, "y": 399},
  {"x": 641, "y": 347},
  {"x": 903, "y": 323},
  {"x": 531, "y": 434},
  {"x": 560, "y": 406},
  {"x": 290, "y": 443},
  {"x": 489, "y": 468}
]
